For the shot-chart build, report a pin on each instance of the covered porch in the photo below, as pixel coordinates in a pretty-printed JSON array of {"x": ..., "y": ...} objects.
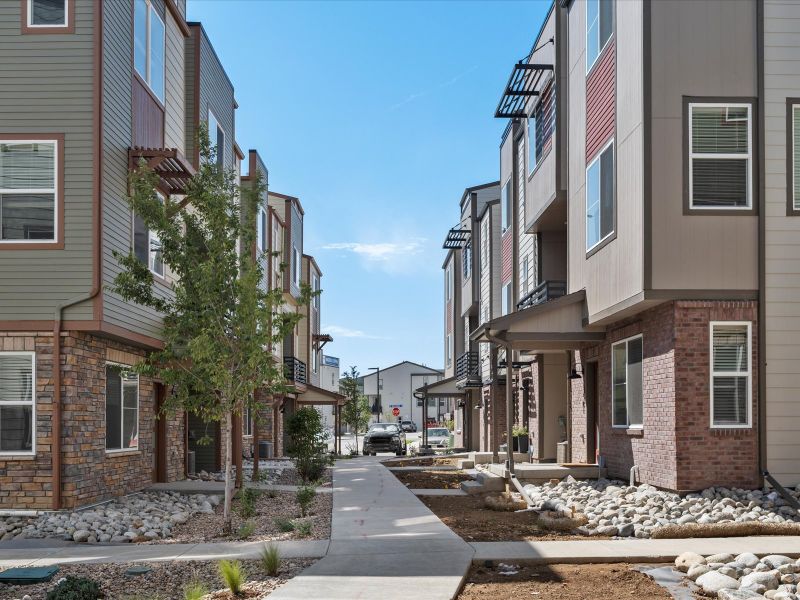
[{"x": 463, "y": 407}]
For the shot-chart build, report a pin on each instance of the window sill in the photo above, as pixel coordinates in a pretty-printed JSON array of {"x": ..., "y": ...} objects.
[
  {"x": 127, "y": 452},
  {"x": 629, "y": 431},
  {"x": 38, "y": 245},
  {"x": 16, "y": 457}
]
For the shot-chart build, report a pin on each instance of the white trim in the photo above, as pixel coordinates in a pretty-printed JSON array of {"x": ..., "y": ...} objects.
[
  {"x": 220, "y": 157},
  {"x": 32, "y": 403},
  {"x": 55, "y": 190},
  {"x": 748, "y": 373},
  {"x": 597, "y": 156},
  {"x": 732, "y": 156},
  {"x": 147, "y": 75},
  {"x": 628, "y": 424},
  {"x": 48, "y": 26},
  {"x": 297, "y": 266},
  {"x": 122, "y": 411},
  {"x": 795, "y": 204}
]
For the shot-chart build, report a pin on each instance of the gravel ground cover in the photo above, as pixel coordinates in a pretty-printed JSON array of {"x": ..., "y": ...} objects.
[
  {"x": 616, "y": 509},
  {"x": 430, "y": 480},
  {"x": 419, "y": 462},
  {"x": 742, "y": 577},
  {"x": 165, "y": 581},
  {"x": 560, "y": 582}
]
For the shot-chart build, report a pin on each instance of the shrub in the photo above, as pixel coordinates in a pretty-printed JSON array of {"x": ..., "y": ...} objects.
[
  {"x": 305, "y": 495},
  {"x": 232, "y": 575},
  {"x": 307, "y": 444},
  {"x": 247, "y": 502},
  {"x": 75, "y": 588},
  {"x": 303, "y": 528},
  {"x": 271, "y": 559},
  {"x": 194, "y": 591},
  {"x": 283, "y": 524},
  {"x": 245, "y": 530}
]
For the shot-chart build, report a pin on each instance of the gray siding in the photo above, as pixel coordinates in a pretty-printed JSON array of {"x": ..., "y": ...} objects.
[
  {"x": 190, "y": 128},
  {"x": 175, "y": 113},
  {"x": 216, "y": 94},
  {"x": 46, "y": 87},
  {"x": 782, "y": 239},
  {"x": 295, "y": 242}
]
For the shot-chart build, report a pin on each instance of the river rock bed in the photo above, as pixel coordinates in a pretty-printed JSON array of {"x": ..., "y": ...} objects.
[
  {"x": 136, "y": 518},
  {"x": 614, "y": 508},
  {"x": 742, "y": 577}
]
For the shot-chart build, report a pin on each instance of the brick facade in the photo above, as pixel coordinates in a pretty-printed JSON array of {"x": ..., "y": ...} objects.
[
  {"x": 492, "y": 415},
  {"x": 676, "y": 448},
  {"x": 89, "y": 473}
]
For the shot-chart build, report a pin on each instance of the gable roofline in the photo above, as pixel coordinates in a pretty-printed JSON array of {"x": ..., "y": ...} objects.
[{"x": 406, "y": 362}]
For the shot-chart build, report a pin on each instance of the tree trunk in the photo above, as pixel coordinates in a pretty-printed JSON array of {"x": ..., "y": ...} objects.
[{"x": 228, "y": 518}]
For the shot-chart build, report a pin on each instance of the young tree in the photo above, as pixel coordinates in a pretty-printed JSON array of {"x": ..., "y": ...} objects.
[
  {"x": 219, "y": 323},
  {"x": 356, "y": 410}
]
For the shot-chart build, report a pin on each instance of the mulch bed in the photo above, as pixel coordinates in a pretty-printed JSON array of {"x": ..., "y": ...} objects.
[
  {"x": 166, "y": 581},
  {"x": 560, "y": 582},
  {"x": 432, "y": 480},
  {"x": 269, "y": 506},
  {"x": 469, "y": 518}
]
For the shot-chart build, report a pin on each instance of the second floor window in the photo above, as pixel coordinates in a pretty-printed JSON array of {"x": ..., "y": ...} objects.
[
  {"x": 296, "y": 266},
  {"x": 600, "y": 197},
  {"x": 506, "y": 206},
  {"x": 484, "y": 245},
  {"x": 466, "y": 257},
  {"x": 48, "y": 13},
  {"x": 599, "y": 26},
  {"x": 148, "y": 46},
  {"x": 28, "y": 191},
  {"x": 793, "y": 151},
  {"x": 216, "y": 137},
  {"x": 261, "y": 230},
  {"x": 720, "y": 156}
]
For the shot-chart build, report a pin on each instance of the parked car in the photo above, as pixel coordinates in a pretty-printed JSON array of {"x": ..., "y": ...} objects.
[
  {"x": 408, "y": 426},
  {"x": 385, "y": 437},
  {"x": 438, "y": 437}
]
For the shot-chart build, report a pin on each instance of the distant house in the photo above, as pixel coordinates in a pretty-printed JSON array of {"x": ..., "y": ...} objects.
[{"x": 397, "y": 385}]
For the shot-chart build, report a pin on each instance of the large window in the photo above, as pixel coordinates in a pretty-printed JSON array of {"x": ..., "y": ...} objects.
[
  {"x": 730, "y": 374},
  {"x": 505, "y": 206},
  {"x": 626, "y": 373},
  {"x": 216, "y": 137},
  {"x": 147, "y": 245},
  {"x": 277, "y": 246},
  {"x": 28, "y": 189},
  {"x": 122, "y": 409},
  {"x": 148, "y": 46},
  {"x": 466, "y": 260},
  {"x": 600, "y": 197},
  {"x": 296, "y": 266},
  {"x": 599, "y": 26},
  {"x": 448, "y": 283},
  {"x": 17, "y": 402},
  {"x": 505, "y": 299},
  {"x": 793, "y": 156},
  {"x": 48, "y": 13},
  {"x": 523, "y": 277},
  {"x": 720, "y": 156}
]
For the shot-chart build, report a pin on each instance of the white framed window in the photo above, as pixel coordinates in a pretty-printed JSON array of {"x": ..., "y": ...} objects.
[
  {"x": 17, "y": 403},
  {"x": 626, "y": 383},
  {"x": 484, "y": 245},
  {"x": 449, "y": 349},
  {"x": 505, "y": 206},
  {"x": 793, "y": 151},
  {"x": 466, "y": 260},
  {"x": 261, "y": 230},
  {"x": 533, "y": 159},
  {"x": 315, "y": 288},
  {"x": 122, "y": 408},
  {"x": 599, "y": 27},
  {"x": 216, "y": 137},
  {"x": 277, "y": 247},
  {"x": 247, "y": 421},
  {"x": 505, "y": 299},
  {"x": 147, "y": 245},
  {"x": 296, "y": 266},
  {"x": 315, "y": 360},
  {"x": 731, "y": 373},
  {"x": 149, "y": 46},
  {"x": 29, "y": 191},
  {"x": 448, "y": 282},
  {"x": 600, "y": 196},
  {"x": 720, "y": 156},
  {"x": 48, "y": 13},
  {"x": 523, "y": 278}
]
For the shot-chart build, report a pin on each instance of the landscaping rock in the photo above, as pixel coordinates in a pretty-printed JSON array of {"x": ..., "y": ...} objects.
[
  {"x": 768, "y": 579},
  {"x": 738, "y": 595},
  {"x": 776, "y": 560},
  {"x": 696, "y": 571},
  {"x": 687, "y": 560},
  {"x": 748, "y": 559},
  {"x": 82, "y": 535},
  {"x": 712, "y": 582}
]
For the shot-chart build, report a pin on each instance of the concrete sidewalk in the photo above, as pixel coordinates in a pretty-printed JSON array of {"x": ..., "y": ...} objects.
[{"x": 384, "y": 541}]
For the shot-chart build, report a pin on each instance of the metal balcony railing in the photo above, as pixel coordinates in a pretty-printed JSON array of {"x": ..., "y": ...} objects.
[
  {"x": 467, "y": 366},
  {"x": 295, "y": 369},
  {"x": 547, "y": 290}
]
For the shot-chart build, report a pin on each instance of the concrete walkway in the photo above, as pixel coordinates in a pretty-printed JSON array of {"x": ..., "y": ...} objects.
[{"x": 384, "y": 543}]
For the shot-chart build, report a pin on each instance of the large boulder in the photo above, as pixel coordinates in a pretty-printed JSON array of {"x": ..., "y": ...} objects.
[
  {"x": 776, "y": 560},
  {"x": 687, "y": 560},
  {"x": 738, "y": 595},
  {"x": 82, "y": 535},
  {"x": 712, "y": 582},
  {"x": 769, "y": 579}
]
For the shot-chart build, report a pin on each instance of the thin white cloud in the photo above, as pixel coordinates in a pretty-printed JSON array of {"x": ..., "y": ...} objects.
[
  {"x": 381, "y": 252},
  {"x": 346, "y": 332},
  {"x": 442, "y": 85}
]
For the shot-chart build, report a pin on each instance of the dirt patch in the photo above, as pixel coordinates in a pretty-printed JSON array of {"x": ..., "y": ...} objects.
[
  {"x": 432, "y": 480},
  {"x": 560, "y": 582},
  {"x": 271, "y": 510},
  {"x": 166, "y": 580},
  {"x": 469, "y": 518}
]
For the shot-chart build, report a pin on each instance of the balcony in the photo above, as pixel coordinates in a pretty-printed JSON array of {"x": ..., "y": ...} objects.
[
  {"x": 547, "y": 290},
  {"x": 294, "y": 369},
  {"x": 468, "y": 369}
]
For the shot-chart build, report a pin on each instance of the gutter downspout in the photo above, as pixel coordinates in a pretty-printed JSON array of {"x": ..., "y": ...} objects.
[
  {"x": 762, "y": 294},
  {"x": 509, "y": 398}
]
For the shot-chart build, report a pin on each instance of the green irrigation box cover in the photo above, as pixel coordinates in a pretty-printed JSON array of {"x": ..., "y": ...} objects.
[{"x": 27, "y": 575}]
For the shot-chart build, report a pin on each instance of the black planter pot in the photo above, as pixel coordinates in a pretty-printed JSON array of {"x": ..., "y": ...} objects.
[{"x": 520, "y": 443}]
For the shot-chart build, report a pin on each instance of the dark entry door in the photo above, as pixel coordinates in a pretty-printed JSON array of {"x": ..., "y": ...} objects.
[
  {"x": 592, "y": 429},
  {"x": 160, "y": 454}
]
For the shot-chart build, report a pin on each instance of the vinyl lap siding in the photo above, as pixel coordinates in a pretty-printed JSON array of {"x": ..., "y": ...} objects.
[
  {"x": 601, "y": 100},
  {"x": 175, "y": 113},
  {"x": 189, "y": 99},
  {"x": 216, "y": 93},
  {"x": 527, "y": 241},
  {"x": 46, "y": 87},
  {"x": 507, "y": 257},
  {"x": 296, "y": 242}
]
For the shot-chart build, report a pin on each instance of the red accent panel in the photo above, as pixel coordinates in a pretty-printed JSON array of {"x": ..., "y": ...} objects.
[
  {"x": 601, "y": 100},
  {"x": 508, "y": 248},
  {"x": 148, "y": 117}
]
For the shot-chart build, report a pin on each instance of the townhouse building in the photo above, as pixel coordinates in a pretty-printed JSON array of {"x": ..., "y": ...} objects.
[
  {"x": 648, "y": 186},
  {"x": 393, "y": 387},
  {"x": 115, "y": 82}
]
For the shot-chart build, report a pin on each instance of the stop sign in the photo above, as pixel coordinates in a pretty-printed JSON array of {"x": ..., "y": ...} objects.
[{"x": 396, "y": 411}]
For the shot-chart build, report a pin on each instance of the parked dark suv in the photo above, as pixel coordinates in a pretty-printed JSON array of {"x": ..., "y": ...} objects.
[
  {"x": 385, "y": 437},
  {"x": 408, "y": 426}
]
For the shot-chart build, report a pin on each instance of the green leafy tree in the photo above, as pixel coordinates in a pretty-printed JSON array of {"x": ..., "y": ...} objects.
[
  {"x": 306, "y": 443},
  {"x": 219, "y": 321},
  {"x": 356, "y": 411}
]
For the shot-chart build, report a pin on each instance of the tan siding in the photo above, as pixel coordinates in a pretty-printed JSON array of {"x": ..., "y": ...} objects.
[
  {"x": 46, "y": 87},
  {"x": 175, "y": 115},
  {"x": 782, "y": 240}
]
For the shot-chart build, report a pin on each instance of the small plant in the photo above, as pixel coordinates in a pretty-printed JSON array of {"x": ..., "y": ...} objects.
[
  {"x": 352, "y": 449},
  {"x": 232, "y": 575},
  {"x": 194, "y": 591},
  {"x": 247, "y": 502},
  {"x": 75, "y": 588},
  {"x": 271, "y": 559},
  {"x": 518, "y": 431},
  {"x": 303, "y": 528},
  {"x": 305, "y": 495},
  {"x": 283, "y": 524},
  {"x": 245, "y": 530}
]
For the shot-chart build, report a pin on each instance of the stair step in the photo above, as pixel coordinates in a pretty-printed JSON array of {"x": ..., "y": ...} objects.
[
  {"x": 472, "y": 487},
  {"x": 465, "y": 463}
]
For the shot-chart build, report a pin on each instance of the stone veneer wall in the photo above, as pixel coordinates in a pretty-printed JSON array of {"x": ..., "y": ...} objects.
[{"x": 89, "y": 473}]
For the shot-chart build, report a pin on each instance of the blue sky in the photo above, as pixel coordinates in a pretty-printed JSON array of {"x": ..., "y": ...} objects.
[{"x": 376, "y": 115}]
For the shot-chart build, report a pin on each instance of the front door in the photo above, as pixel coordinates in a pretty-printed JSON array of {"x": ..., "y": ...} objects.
[
  {"x": 592, "y": 429},
  {"x": 160, "y": 431}
]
